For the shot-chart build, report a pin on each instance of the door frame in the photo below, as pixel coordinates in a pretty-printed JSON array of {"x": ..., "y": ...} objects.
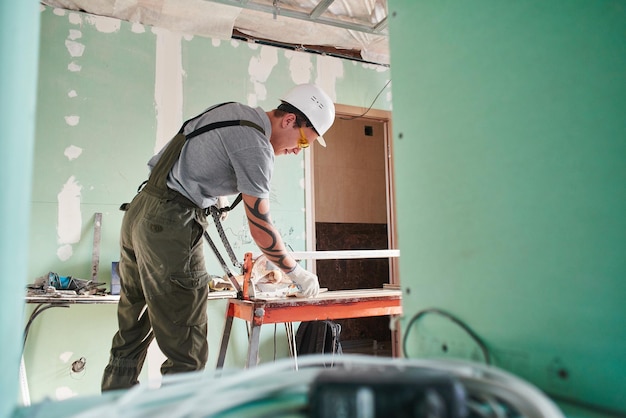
[
  {"x": 384, "y": 117},
  {"x": 392, "y": 234}
]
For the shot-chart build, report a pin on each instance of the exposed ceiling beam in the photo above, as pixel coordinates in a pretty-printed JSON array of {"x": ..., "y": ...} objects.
[
  {"x": 294, "y": 14},
  {"x": 321, "y": 7},
  {"x": 381, "y": 25}
]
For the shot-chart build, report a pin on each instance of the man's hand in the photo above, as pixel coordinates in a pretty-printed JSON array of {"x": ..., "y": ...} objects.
[
  {"x": 306, "y": 281},
  {"x": 222, "y": 202}
]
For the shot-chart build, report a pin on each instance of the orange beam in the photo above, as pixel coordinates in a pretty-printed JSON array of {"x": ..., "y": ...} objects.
[
  {"x": 332, "y": 311},
  {"x": 298, "y": 310}
]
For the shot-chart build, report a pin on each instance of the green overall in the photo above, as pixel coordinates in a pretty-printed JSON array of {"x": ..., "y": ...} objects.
[{"x": 163, "y": 277}]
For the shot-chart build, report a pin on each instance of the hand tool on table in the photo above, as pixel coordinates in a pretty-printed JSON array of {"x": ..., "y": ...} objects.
[{"x": 246, "y": 266}]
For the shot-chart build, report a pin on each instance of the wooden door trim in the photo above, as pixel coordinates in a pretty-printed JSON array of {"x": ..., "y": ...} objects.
[{"x": 383, "y": 116}]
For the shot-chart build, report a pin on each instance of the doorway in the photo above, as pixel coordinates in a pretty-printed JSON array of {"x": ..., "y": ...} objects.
[{"x": 353, "y": 210}]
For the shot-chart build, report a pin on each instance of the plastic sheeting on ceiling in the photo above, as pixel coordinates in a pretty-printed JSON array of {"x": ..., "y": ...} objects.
[{"x": 357, "y": 27}]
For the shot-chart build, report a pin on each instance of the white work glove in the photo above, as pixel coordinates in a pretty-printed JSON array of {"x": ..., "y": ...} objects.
[
  {"x": 306, "y": 281},
  {"x": 222, "y": 202}
]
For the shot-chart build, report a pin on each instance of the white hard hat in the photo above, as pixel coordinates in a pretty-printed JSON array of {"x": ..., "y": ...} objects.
[{"x": 315, "y": 104}]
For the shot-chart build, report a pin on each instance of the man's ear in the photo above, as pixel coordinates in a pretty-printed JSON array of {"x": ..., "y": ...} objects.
[{"x": 288, "y": 119}]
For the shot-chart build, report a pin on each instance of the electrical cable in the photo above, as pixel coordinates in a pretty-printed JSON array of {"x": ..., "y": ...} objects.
[
  {"x": 467, "y": 329},
  {"x": 293, "y": 349},
  {"x": 369, "y": 108},
  {"x": 36, "y": 312},
  {"x": 276, "y": 389},
  {"x": 292, "y": 405},
  {"x": 495, "y": 409},
  {"x": 478, "y": 409}
]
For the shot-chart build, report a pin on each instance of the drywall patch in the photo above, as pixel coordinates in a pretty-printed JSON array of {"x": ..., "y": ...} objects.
[
  {"x": 216, "y": 42},
  {"x": 300, "y": 66},
  {"x": 62, "y": 393},
  {"x": 73, "y": 152},
  {"x": 75, "y": 34},
  {"x": 168, "y": 85},
  {"x": 104, "y": 24},
  {"x": 329, "y": 69},
  {"x": 74, "y": 18},
  {"x": 73, "y": 67},
  {"x": 377, "y": 68},
  {"x": 57, "y": 11},
  {"x": 137, "y": 28},
  {"x": 66, "y": 356},
  {"x": 234, "y": 43},
  {"x": 72, "y": 94},
  {"x": 75, "y": 49},
  {"x": 64, "y": 252},
  {"x": 259, "y": 69},
  {"x": 72, "y": 120},
  {"x": 69, "y": 219}
]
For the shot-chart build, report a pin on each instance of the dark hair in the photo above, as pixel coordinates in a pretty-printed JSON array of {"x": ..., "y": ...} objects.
[{"x": 301, "y": 120}]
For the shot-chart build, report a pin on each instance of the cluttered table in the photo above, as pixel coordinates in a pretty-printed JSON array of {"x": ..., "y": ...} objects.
[
  {"x": 72, "y": 299},
  {"x": 65, "y": 300},
  {"x": 99, "y": 299},
  {"x": 256, "y": 311}
]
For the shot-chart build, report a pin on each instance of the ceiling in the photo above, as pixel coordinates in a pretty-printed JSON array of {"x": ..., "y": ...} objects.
[{"x": 354, "y": 29}]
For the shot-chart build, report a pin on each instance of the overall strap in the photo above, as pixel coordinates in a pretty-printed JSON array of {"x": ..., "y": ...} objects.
[
  {"x": 182, "y": 128},
  {"x": 223, "y": 124},
  {"x": 158, "y": 176}
]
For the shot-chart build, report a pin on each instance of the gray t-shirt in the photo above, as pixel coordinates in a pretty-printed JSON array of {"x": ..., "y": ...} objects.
[{"x": 224, "y": 161}]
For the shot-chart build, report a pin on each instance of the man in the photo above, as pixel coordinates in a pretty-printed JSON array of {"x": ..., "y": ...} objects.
[{"x": 228, "y": 149}]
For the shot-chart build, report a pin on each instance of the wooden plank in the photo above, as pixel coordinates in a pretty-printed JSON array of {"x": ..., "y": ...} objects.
[
  {"x": 343, "y": 254},
  {"x": 338, "y": 296},
  {"x": 97, "y": 299},
  {"x": 76, "y": 299},
  {"x": 393, "y": 286}
]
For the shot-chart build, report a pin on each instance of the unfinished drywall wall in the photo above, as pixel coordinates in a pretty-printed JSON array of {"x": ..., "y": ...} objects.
[
  {"x": 111, "y": 93},
  {"x": 509, "y": 140}
]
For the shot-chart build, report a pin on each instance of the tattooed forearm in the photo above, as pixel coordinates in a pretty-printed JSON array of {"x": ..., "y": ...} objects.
[
  {"x": 263, "y": 222},
  {"x": 265, "y": 234},
  {"x": 256, "y": 211}
]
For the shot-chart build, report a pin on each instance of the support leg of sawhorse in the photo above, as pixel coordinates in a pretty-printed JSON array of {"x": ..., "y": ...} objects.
[
  {"x": 254, "y": 318},
  {"x": 228, "y": 325},
  {"x": 253, "y": 345}
]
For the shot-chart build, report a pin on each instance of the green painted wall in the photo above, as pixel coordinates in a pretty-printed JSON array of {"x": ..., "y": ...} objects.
[
  {"x": 99, "y": 110},
  {"x": 510, "y": 143},
  {"x": 19, "y": 42}
]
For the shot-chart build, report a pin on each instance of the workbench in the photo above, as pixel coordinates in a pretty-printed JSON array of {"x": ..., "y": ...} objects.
[
  {"x": 45, "y": 302},
  {"x": 65, "y": 301},
  {"x": 331, "y": 305}
]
